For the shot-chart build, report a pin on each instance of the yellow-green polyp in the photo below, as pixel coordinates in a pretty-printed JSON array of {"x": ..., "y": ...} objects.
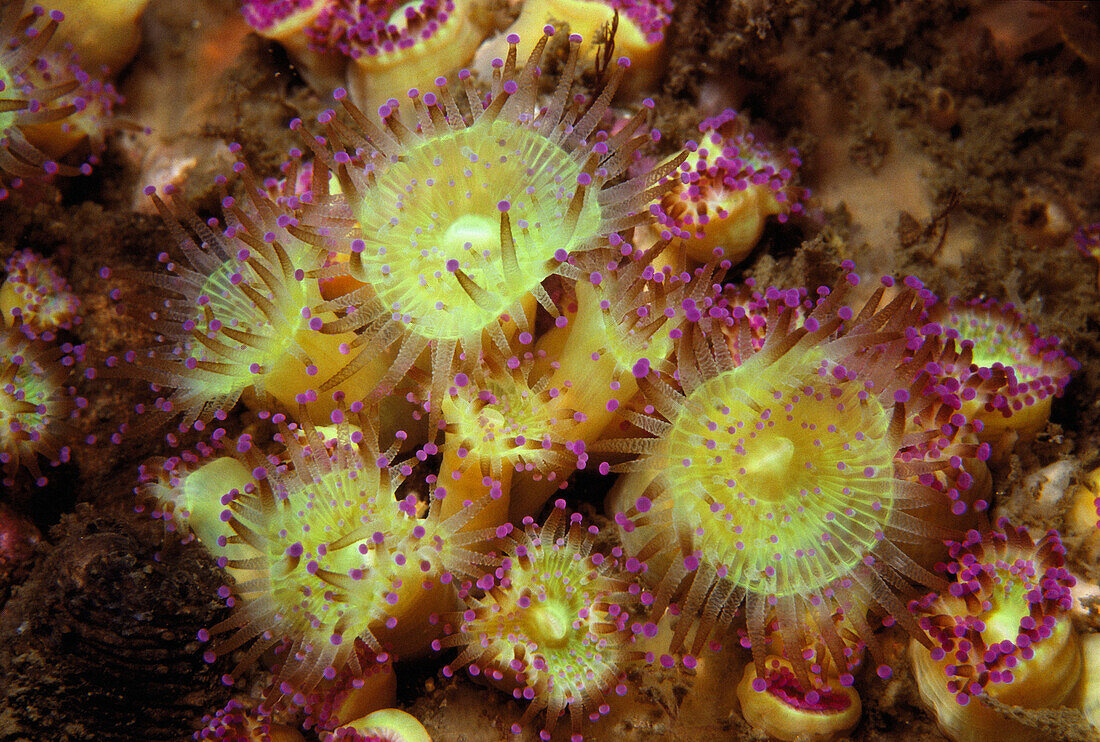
[
  {"x": 438, "y": 211},
  {"x": 775, "y": 475},
  {"x": 785, "y": 476}
]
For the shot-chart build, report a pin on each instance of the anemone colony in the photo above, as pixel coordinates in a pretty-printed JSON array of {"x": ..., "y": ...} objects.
[{"x": 468, "y": 286}]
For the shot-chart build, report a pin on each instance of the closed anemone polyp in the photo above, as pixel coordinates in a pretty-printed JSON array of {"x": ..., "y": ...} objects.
[
  {"x": 1001, "y": 631},
  {"x": 455, "y": 221},
  {"x": 778, "y": 704},
  {"x": 35, "y": 296},
  {"x": 727, "y": 187},
  {"x": 785, "y": 484},
  {"x": 552, "y": 627}
]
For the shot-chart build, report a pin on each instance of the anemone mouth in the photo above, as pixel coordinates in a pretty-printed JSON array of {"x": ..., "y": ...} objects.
[
  {"x": 432, "y": 225},
  {"x": 794, "y": 486}
]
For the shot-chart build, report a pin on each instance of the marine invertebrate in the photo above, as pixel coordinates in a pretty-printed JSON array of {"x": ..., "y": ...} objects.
[
  {"x": 1083, "y": 511},
  {"x": 299, "y": 26},
  {"x": 385, "y": 725},
  {"x": 235, "y": 723},
  {"x": 396, "y": 46},
  {"x": 1001, "y": 631},
  {"x": 635, "y": 27},
  {"x": 105, "y": 35},
  {"x": 725, "y": 191},
  {"x": 237, "y": 316},
  {"x": 551, "y": 625},
  {"x": 348, "y": 696},
  {"x": 455, "y": 224},
  {"x": 780, "y": 706},
  {"x": 1087, "y": 696},
  {"x": 624, "y": 315},
  {"x": 1044, "y": 217},
  {"x": 35, "y": 402},
  {"x": 784, "y": 484},
  {"x": 499, "y": 423},
  {"x": 23, "y": 38},
  {"x": 84, "y": 130},
  {"x": 327, "y": 559},
  {"x": 940, "y": 109},
  {"x": 995, "y": 338},
  {"x": 35, "y": 296}
]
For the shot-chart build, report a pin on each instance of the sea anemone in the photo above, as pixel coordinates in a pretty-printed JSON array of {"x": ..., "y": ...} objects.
[
  {"x": 300, "y": 27},
  {"x": 326, "y": 558},
  {"x": 385, "y": 725},
  {"x": 1087, "y": 239},
  {"x": 35, "y": 297},
  {"x": 26, "y": 102},
  {"x": 551, "y": 626},
  {"x": 500, "y": 421},
  {"x": 237, "y": 316},
  {"x": 786, "y": 484},
  {"x": 235, "y": 723},
  {"x": 727, "y": 188},
  {"x": 350, "y": 696},
  {"x": 995, "y": 339},
  {"x": 1001, "y": 631},
  {"x": 620, "y": 320},
  {"x": 105, "y": 35},
  {"x": 395, "y": 46},
  {"x": 35, "y": 403},
  {"x": 454, "y": 225},
  {"x": 635, "y": 28},
  {"x": 780, "y": 706}
]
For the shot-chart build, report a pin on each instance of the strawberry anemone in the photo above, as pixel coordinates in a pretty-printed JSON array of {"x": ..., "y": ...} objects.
[
  {"x": 728, "y": 187},
  {"x": 1032, "y": 370},
  {"x": 454, "y": 221},
  {"x": 236, "y": 315},
  {"x": 35, "y": 403},
  {"x": 551, "y": 626},
  {"x": 35, "y": 297},
  {"x": 1000, "y": 632},
  {"x": 395, "y": 45},
  {"x": 30, "y": 102},
  {"x": 786, "y": 484},
  {"x": 328, "y": 562}
]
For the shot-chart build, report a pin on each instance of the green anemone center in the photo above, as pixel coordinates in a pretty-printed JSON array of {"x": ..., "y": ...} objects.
[
  {"x": 236, "y": 327},
  {"x": 786, "y": 474},
  {"x": 432, "y": 225}
]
